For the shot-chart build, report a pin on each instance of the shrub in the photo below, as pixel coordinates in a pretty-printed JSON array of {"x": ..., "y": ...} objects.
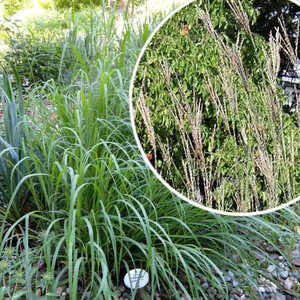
[
  {"x": 35, "y": 58},
  {"x": 79, "y": 4},
  {"x": 13, "y": 6}
]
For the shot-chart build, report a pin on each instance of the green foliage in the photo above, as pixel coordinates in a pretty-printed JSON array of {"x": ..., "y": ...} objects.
[
  {"x": 12, "y": 136},
  {"x": 195, "y": 60},
  {"x": 13, "y": 6},
  {"x": 100, "y": 211},
  {"x": 80, "y": 4},
  {"x": 35, "y": 58},
  {"x": 46, "y": 4}
]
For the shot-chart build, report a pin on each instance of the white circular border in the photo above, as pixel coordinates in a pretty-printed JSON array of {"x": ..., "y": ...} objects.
[{"x": 131, "y": 111}]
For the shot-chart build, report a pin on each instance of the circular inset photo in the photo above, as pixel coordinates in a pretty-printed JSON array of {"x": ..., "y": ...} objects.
[{"x": 214, "y": 104}]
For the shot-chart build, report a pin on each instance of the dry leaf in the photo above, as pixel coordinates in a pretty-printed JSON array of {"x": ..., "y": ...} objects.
[
  {"x": 149, "y": 156},
  {"x": 185, "y": 29}
]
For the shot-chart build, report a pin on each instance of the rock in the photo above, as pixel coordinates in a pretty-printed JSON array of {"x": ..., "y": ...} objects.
[
  {"x": 235, "y": 283},
  {"x": 88, "y": 295},
  {"x": 59, "y": 290},
  {"x": 281, "y": 258},
  {"x": 271, "y": 268},
  {"x": 227, "y": 278},
  {"x": 258, "y": 256},
  {"x": 121, "y": 288},
  {"x": 231, "y": 274},
  {"x": 284, "y": 274},
  {"x": 288, "y": 284},
  {"x": 211, "y": 297},
  {"x": 236, "y": 258},
  {"x": 268, "y": 290},
  {"x": 296, "y": 274},
  {"x": 205, "y": 285},
  {"x": 261, "y": 289},
  {"x": 296, "y": 261},
  {"x": 279, "y": 296},
  {"x": 38, "y": 292},
  {"x": 118, "y": 293}
]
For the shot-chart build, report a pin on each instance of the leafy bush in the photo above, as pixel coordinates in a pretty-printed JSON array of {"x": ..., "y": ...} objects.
[
  {"x": 13, "y": 6},
  {"x": 35, "y": 58},
  {"x": 79, "y": 4}
]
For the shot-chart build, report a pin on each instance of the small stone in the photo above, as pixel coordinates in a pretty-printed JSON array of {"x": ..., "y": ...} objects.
[
  {"x": 281, "y": 258},
  {"x": 296, "y": 261},
  {"x": 269, "y": 249},
  {"x": 235, "y": 283},
  {"x": 284, "y": 274},
  {"x": 118, "y": 293},
  {"x": 231, "y": 274},
  {"x": 261, "y": 289},
  {"x": 227, "y": 278},
  {"x": 205, "y": 285},
  {"x": 38, "y": 292},
  {"x": 288, "y": 284},
  {"x": 271, "y": 268},
  {"x": 268, "y": 290},
  {"x": 243, "y": 297},
  {"x": 88, "y": 295},
  {"x": 258, "y": 256},
  {"x": 296, "y": 274},
  {"x": 296, "y": 253},
  {"x": 121, "y": 288},
  {"x": 157, "y": 296},
  {"x": 59, "y": 290},
  {"x": 236, "y": 258},
  {"x": 279, "y": 296}
]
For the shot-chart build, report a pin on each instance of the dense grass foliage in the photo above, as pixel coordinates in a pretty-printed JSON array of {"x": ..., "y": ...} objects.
[
  {"x": 93, "y": 209},
  {"x": 210, "y": 110}
]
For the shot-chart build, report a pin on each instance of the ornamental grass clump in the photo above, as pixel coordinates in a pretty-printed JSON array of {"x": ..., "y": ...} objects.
[
  {"x": 96, "y": 211},
  {"x": 214, "y": 124}
]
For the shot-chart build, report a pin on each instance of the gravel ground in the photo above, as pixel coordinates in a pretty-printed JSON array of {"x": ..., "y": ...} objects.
[{"x": 279, "y": 280}]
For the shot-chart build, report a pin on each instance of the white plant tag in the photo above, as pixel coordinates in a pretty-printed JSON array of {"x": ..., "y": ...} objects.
[{"x": 136, "y": 278}]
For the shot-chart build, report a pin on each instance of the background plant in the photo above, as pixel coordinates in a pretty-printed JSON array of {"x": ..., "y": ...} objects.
[{"x": 36, "y": 58}]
